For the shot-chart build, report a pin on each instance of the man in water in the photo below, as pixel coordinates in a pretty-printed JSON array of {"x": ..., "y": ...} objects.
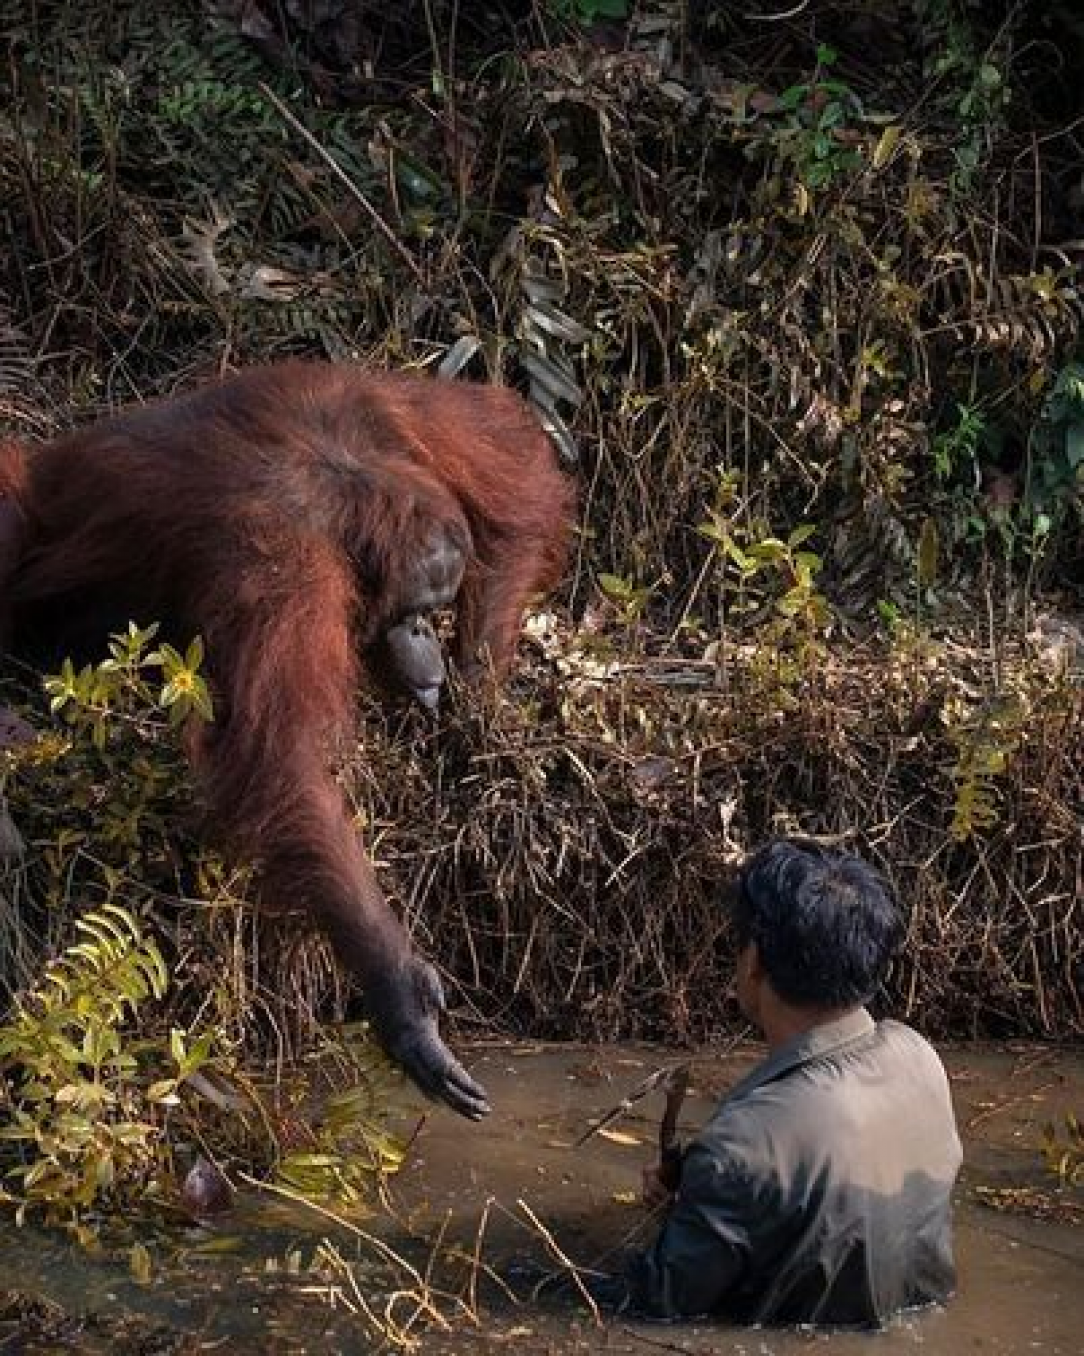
[{"x": 819, "y": 1192}]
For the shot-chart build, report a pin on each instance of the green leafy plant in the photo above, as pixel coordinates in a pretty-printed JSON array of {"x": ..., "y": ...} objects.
[
  {"x": 103, "y": 793},
  {"x": 1054, "y": 490},
  {"x": 956, "y": 449},
  {"x": 771, "y": 575},
  {"x": 961, "y": 453},
  {"x": 120, "y": 685},
  {"x": 971, "y": 82},
  {"x": 350, "y": 1145},
  {"x": 629, "y": 600},
  {"x": 769, "y": 589},
  {"x": 816, "y": 138},
  {"x": 87, "y": 1101},
  {"x": 985, "y": 739},
  {"x": 985, "y": 494},
  {"x": 89, "y": 1086},
  {"x": 100, "y": 1079},
  {"x": 980, "y": 108}
]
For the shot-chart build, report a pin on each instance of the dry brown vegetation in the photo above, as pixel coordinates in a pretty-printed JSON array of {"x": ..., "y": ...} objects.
[{"x": 568, "y": 871}]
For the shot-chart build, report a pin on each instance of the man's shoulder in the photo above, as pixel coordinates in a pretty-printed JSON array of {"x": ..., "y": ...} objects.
[
  {"x": 813, "y": 1091},
  {"x": 896, "y": 1030},
  {"x": 899, "y": 1038}
]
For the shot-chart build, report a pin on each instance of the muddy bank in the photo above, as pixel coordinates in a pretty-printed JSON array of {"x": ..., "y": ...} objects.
[{"x": 510, "y": 1193}]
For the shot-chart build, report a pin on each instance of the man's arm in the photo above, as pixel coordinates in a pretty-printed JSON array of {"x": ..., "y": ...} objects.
[{"x": 703, "y": 1249}]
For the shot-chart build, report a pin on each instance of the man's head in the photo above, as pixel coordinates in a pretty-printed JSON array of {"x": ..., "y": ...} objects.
[{"x": 819, "y": 926}]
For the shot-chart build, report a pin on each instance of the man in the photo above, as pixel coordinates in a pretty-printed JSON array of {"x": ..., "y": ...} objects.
[{"x": 819, "y": 1192}]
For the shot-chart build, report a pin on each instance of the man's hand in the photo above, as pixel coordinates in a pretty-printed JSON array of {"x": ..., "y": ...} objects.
[
  {"x": 660, "y": 1181},
  {"x": 655, "y": 1190}
]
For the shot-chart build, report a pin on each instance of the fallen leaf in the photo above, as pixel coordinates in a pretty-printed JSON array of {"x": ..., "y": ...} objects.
[
  {"x": 139, "y": 1260},
  {"x": 620, "y": 1137}
]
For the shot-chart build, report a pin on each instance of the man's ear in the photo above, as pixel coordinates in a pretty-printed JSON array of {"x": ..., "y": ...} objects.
[
  {"x": 745, "y": 978},
  {"x": 748, "y": 963}
]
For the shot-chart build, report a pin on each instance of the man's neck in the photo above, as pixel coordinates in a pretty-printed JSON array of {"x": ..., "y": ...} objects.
[{"x": 781, "y": 1023}]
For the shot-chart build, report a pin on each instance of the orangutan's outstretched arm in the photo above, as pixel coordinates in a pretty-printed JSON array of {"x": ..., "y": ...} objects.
[
  {"x": 283, "y": 658},
  {"x": 312, "y": 857}
]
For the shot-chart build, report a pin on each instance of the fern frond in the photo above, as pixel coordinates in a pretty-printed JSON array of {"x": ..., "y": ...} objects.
[
  {"x": 105, "y": 976},
  {"x": 16, "y": 359},
  {"x": 985, "y": 742}
]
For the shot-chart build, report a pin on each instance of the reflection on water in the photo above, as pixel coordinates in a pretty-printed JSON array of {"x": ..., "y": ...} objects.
[{"x": 1021, "y": 1279}]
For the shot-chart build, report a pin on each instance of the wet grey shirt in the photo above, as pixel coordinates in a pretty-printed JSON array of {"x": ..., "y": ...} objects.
[{"x": 819, "y": 1190}]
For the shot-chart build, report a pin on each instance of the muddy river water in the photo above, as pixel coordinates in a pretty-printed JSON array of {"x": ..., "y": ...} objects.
[{"x": 505, "y": 1200}]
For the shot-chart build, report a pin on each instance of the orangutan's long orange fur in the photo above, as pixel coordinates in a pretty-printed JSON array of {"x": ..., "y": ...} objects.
[{"x": 273, "y": 513}]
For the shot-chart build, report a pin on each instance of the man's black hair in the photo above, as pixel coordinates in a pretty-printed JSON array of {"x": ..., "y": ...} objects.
[{"x": 824, "y": 922}]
